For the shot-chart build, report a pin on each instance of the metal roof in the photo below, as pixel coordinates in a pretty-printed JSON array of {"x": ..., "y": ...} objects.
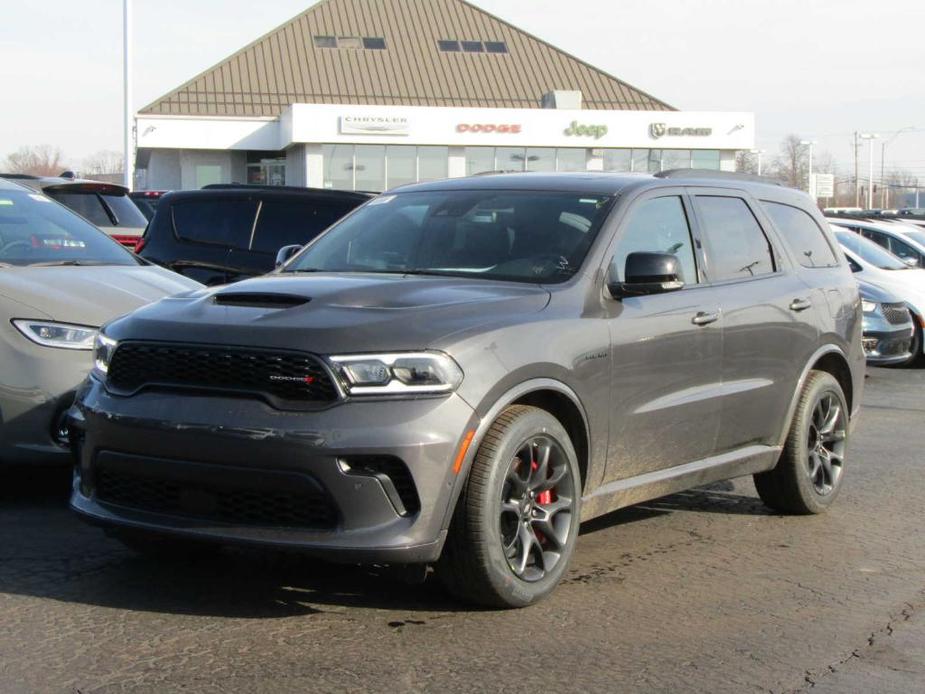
[{"x": 285, "y": 66}]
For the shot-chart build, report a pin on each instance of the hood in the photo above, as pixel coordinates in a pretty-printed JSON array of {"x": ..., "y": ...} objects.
[
  {"x": 874, "y": 292},
  {"x": 907, "y": 285},
  {"x": 333, "y": 313},
  {"x": 91, "y": 295}
]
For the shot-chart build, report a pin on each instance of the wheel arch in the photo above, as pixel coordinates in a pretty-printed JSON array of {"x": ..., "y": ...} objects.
[{"x": 832, "y": 360}]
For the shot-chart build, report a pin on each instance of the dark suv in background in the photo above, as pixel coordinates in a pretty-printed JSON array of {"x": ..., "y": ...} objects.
[
  {"x": 461, "y": 371},
  {"x": 105, "y": 205},
  {"x": 224, "y": 233}
]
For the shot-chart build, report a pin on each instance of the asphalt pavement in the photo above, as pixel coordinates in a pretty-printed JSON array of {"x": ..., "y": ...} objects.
[{"x": 705, "y": 591}]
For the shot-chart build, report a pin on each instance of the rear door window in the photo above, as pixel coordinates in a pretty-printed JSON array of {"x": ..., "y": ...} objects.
[
  {"x": 288, "y": 222},
  {"x": 88, "y": 205},
  {"x": 735, "y": 243},
  {"x": 224, "y": 221},
  {"x": 803, "y": 234}
]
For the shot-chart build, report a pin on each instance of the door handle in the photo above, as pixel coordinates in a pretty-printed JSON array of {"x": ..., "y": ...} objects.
[
  {"x": 800, "y": 304},
  {"x": 704, "y": 318}
]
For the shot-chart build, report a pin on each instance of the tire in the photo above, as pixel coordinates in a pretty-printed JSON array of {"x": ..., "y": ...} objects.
[
  {"x": 507, "y": 506},
  {"x": 810, "y": 471},
  {"x": 164, "y": 547}
]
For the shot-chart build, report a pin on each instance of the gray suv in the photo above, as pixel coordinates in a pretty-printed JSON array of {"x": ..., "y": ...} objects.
[{"x": 459, "y": 372}]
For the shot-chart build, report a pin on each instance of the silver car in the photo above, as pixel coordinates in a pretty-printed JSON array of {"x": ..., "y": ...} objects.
[{"x": 60, "y": 279}]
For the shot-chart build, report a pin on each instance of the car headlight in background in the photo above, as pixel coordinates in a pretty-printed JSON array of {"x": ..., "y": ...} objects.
[
  {"x": 868, "y": 306},
  {"x": 54, "y": 334},
  {"x": 103, "y": 347},
  {"x": 401, "y": 372}
]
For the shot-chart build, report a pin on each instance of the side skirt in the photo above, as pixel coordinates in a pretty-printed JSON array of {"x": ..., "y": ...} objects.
[{"x": 651, "y": 485}]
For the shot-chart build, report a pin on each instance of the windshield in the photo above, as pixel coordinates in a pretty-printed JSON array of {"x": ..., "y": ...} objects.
[
  {"x": 35, "y": 230},
  {"x": 523, "y": 236},
  {"x": 916, "y": 235},
  {"x": 869, "y": 251}
]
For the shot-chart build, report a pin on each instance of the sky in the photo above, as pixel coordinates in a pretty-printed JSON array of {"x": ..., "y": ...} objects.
[{"x": 821, "y": 69}]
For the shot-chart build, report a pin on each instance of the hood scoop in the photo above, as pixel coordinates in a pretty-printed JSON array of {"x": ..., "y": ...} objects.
[{"x": 259, "y": 300}]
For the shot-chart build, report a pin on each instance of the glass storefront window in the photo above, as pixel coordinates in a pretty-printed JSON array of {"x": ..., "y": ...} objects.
[
  {"x": 401, "y": 165},
  {"x": 676, "y": 159},
  {"x": 369, "y": 167},
  {"x": 509, "y": 159},
  {"x": 338, "y": 166},
  {"x": 433, "y": 163},
  {"x": 640, "y": 160},
  {"x": 572, "y": 159},
  {"x": 618, "y": 160},
  {"x": 705, "y": 159},
  {"x": 541, "y": 159},
  {"x": 479, "y": 160},
  {"x": 655, "y": 160}
]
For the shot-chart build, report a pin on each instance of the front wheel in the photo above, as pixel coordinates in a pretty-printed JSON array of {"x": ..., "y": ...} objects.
[
  {"x": 811, "y": 468},
  {"x": 516, "y": 523}
]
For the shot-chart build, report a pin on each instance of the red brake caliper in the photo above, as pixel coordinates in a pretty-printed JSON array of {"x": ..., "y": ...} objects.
[{"x": 542, "y": 497}]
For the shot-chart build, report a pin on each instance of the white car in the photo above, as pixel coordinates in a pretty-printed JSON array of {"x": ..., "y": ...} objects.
[
  {"x": 877, "y": 266},
  {"x": 905, "y": 241}
]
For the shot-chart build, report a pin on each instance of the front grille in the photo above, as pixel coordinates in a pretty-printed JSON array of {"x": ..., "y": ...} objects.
[
  {"x": 896, "y": 314},
  {"x": 890, "y": 348},
  {"x": 282, "y": 377},
  {"x": 290, "y": 505}
]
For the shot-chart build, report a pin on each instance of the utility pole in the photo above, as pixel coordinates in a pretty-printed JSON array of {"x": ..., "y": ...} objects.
[
  {"x": 870, "y": 180},
  {"x": 128, "y": 143},
  {"x": 809, "y": 178},
  {"x": 758, "y": 152},
  {"x": 857, "y": 189}
]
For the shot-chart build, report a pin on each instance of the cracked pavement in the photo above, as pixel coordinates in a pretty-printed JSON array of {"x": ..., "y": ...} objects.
[{"x": 701, "y": 591}]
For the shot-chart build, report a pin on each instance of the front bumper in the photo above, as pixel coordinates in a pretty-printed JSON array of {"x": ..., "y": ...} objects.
[
  {"x": 885, "y": 347},
  {"x": 219, "y": 468}
]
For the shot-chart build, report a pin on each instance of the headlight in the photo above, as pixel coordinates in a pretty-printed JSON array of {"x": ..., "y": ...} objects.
[
  {"x": 103, "y": 347},
  {"x": 868, "y": 306},
  {"x": 61, "y": 335},
  {"x": 402, "y": 372}
]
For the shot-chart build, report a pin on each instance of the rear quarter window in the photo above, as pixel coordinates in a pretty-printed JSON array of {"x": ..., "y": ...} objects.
[
  {"x": 802, "y": 234},
  {"x": 219, "y": 221}
]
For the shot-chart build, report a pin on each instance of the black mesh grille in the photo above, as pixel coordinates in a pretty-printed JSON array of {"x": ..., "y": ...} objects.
[
  {"x": 393, "y": 468},
  {"x": 283, "y": 377},
  {"x": 897, "y": 314},
  {"x": 284, "y": 507}
]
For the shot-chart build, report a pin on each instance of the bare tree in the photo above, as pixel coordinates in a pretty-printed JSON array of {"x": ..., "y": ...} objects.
[
  {"x": 746, "y": 162},
  {"x": 790, "y": 166},
  {"x": 39, "y": 160},
  {"x": 105, "y": 161}
]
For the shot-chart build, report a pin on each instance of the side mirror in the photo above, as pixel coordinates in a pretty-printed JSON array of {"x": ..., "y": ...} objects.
[
  {"x": 910, "y": 261},
  {"x": 646, "y": 273},
  {"x": 285, "y": 253}
]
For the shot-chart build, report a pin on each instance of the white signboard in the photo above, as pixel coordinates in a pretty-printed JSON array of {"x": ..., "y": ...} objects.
[{"x": 823, "y": 185}]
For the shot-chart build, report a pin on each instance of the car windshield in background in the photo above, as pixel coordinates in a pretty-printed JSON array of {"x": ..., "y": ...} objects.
[
  {"x": 92, "y": 206},
  {"x": 870, "y": 251},
  {"x": 915, "y": 235},
  {"x": 522, "y": 236},
  {"x": 36, "y": 231}
]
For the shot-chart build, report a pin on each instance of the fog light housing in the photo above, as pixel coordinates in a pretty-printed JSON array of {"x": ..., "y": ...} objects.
[{"x": 870, "y": 344}]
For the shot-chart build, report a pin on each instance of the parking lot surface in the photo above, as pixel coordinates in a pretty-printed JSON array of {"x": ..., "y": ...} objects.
[{"x": 702, "y": 591}]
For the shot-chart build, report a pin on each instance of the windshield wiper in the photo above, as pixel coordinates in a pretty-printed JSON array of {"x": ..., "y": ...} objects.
[{"x": 76, "y": 263}]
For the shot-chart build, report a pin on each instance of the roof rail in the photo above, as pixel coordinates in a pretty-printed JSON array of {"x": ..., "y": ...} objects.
[
  {"x": 288, "y": 189},
  {"x": 712, "y": 173},
  {"x": 20, "y": 176}
]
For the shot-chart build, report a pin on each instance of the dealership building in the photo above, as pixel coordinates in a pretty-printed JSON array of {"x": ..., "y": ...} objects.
[{"x": 371, "y": 94}]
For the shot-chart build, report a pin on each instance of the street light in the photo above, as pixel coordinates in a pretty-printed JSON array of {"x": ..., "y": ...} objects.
[
  {"x": 870, "y": 180},
  {"x": 759, "y": 152},
  {"x": 884, "y": 193},
  {"x": 809, "y": 181}
]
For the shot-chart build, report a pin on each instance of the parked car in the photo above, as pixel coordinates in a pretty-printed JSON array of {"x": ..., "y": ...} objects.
[
  {"x": 146, "y": 201},
  {"x": 460, "y": 371},
  {"x": 60, "y": 279},
  {"x": 876, "y": 265},
  {"x": 888, "y": 327},
  {"x": 225, "y": 233},
  {"x": 105, "y": 205},
  {"x": 905, "y": 241}
]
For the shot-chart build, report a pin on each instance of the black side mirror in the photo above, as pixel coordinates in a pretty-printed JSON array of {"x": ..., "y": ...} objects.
[
  {"x": 285, "y": 253},
  {"x": 646, "y": 273}
]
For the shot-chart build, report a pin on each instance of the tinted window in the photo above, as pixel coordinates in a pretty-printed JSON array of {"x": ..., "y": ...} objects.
[
  {"x": 33, "y": 229},
  {"x": 803, "y": 234},
  {"x": 736, "y": 246},
  {"x": 222, "y": 221},
  {"x": 869, "y": 251},
  {"x": 903, "y": 249},
  {"x": 876, "y": 237},
  {"x": 512, "y": 235},
  {"x": 658, "y": 226},
  {"x": 126, "y": 212},
  {"x": 283, "y": 223},
  {"x": 374, "y": 43},
  {"x": 87, "y": 205}
]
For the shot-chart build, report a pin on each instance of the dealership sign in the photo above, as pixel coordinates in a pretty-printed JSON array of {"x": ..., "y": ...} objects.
[
  {"x": 486, "y": 128},
  {"x": 657, "y": 130},
  {"x": 577, "y": 129},
  {"x": 374, "y": 125}
]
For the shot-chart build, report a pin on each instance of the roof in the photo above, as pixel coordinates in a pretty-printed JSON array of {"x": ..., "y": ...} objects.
[
  {"x": 43, "y": 182},
  {"x": 269, "y": 192},
  {"x": 285, "y": 66}
]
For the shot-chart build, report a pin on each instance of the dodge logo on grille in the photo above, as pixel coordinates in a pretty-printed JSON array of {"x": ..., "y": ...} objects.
[{"x": 308, "y": 380}]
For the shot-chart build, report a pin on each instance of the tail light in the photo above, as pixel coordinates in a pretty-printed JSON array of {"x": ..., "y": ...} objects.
[
  {"x": 128, "y": 241},
  {"x": 140, "y": 244}
]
